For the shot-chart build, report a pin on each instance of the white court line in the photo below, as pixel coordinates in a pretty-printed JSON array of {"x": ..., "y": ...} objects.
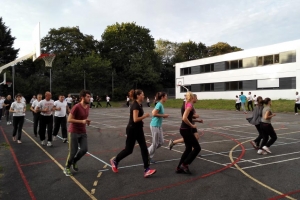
[{"x": 271, "y": 163}]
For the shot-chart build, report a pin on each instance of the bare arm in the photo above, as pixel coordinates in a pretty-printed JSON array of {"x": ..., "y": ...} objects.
[
  {"x": 268, "y": 116},
  {"x": 136, "y": 117},
  {"x": 72, "y": 120}
]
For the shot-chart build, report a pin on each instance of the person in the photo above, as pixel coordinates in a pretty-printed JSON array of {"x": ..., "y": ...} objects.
[
  {"x": 267, "y": 128},
  {"x": 148, "y": 102},
  {"x": 192, "y": 147},
  {"x": 255, "y": 120},
  {"x": 7, "y": 103},
  {"x": 243, "y": 99},
  {"x": 127, "y": 101},
  {"x": 91, "y": 102},
  {"x": 255, "y": 100},
  {"x": 98, "y": 99},
  {"x": 107, "y": 101},
  {"x": 78, "y": 119},
  {"x": 18, "y": 109},
  {"x": 158, "y": 114},
  {"x": 1, "y": 107},
  {"x": 32, "y": 99},
  {"x": 250, "y": 101},
  {"x": 45, "y": 107},
  {"x": 297, "y": 103},
  {"x": 36, "y": 114},
  {"x": 155, "y": 101},
  {"x": 69, "y": 100},
  {"x": 135, "y": 132},
  {"x": 237, "y": 103},
  {"x": 194, "y": 130},
  {"x": 61, "y": 107}
]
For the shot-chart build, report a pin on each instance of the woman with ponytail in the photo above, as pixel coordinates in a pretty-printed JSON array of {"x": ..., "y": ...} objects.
[
  {"x": 135, "y": 132},
  {"x": 267, "y": 128},
  {"x": 158, "y": 114},
  {"x": 192, "y": 147}
]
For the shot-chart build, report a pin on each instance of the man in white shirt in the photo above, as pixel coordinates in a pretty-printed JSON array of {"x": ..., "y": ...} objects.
[
  {"x": 36, "y": 114},
  {"x": 32, "y": 99},
  {"x": 46, "y": 119},
  {"x": 250, "y": 101},
  {"x": 61, "y": 107},
  {"x": 297, "y": 103},
  {"x": 69, "y": 101},
  {"x": 107, "y": 101},
  {"x": 1, "y": 107},
  {"x": 255, "y": 100},
  {"x": 91, "y": 102}
]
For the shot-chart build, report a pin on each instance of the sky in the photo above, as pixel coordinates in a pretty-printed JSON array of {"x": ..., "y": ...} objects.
[{"x": 242, "y": 23}]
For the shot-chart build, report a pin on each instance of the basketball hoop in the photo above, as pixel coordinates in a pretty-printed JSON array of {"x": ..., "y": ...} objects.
[
  {"x": 8, "y": 84},
  {"x": 48, "y": 58},
  {"x": 180, "y": 85}
]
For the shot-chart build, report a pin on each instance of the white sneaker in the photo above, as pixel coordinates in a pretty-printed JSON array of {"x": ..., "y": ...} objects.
[
  {"x": 261, "y": 152},
  {"x": 43, "y": 143},
  {"x": 49, "y": 144},
  {"x": 296, "y": 113},
  {"x": 266, "y": 149},
  {"x": 7, "y": 123}
]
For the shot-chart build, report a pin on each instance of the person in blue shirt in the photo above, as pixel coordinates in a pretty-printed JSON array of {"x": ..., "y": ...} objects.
[
  {"x": 243, "y": 99},
  {"x": 158, "y": 114}
]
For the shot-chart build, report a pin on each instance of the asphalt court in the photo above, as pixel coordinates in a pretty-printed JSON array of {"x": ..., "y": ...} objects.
[{"x": 227, "y": 168}]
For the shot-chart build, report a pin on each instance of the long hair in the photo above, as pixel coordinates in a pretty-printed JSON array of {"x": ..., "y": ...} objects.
[
  {"x": 266, "y": 100},
  {"x": 134, "y": 93},
  {"x": 160, "y": 95},
  {"x": 189, "y": 96}
]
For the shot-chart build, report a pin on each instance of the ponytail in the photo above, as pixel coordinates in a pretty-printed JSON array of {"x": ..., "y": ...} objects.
[
  {"x": 267, "y": 100},
  {"x": 160, "y": 95},
  {"x": 134, "y": 93}
]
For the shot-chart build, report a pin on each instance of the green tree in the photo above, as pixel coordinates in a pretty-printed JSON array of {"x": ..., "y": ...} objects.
[
  {"x": 7, "y": 52},
  {"x": 222, "y": 48},
  {"x": 190, "y": 51}
]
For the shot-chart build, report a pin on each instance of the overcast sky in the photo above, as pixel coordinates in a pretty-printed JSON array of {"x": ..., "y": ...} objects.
[{"x": 242, "y": 23}]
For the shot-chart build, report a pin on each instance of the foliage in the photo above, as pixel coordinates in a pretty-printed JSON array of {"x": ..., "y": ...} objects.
[{"x": 221, "y": 48}]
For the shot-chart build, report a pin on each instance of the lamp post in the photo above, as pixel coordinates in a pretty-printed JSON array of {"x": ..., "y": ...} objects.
[{"x": 13, "y": 80}]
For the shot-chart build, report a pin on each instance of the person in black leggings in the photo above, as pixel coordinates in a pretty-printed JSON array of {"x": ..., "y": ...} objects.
[
  {"x": 135, "y": 132},
  {"x": 267, "y": 128},
  {"x": 192, "y": 147}
]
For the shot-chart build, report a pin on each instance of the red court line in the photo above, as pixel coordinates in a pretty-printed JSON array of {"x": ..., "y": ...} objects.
[
  {"x": 192, "y": 179},
  {"x": 19, "y": 167},
  {"x": 40, "y": 162},
  {"x": 284, "y": 195}
]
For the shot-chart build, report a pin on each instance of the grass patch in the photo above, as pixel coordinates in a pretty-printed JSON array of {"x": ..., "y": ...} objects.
[{"x": 4, "y": 145}]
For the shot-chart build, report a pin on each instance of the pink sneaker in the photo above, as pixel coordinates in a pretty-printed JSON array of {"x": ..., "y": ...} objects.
[
  {"x": 148, "y": 172},
  {"x": 114, "y": 166}
]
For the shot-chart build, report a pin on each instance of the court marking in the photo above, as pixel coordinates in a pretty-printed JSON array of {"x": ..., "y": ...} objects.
[{"x": 251, "y": 177}]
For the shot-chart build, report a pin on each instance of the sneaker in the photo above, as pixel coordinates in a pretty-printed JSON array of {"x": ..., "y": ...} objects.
[
  {"x": 179, "y": 170},
  {"x": 14, "y": 138},
  {"x": 152, "y": 161},
  {"x": 171, "y": 144},
  {"x": 261, "y": 152},
  {"x": 254, "y": 145},
  {"x": 296, "y": 113},
  {"x": 19, "y": 141},
  {"x": 65, "y": 140},
  {"x": 49, "y": 144},
  {"x": 54, "y": 138},
  {"x": 75, "y": 167},
  {"x": 43, "y": 143},
  {"x": 266, "y": 149},
  {"x": 67, "y": 172},
  {"x": 114, "y": 165},
  {"x": 148, "y": 172},
  {"x": 7, "y": 123},
  {"x": 185, "y": 169}
]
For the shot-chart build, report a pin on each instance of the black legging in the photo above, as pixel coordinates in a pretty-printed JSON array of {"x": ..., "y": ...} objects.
[
  {"x": 18, "y": 122},
  {"x": 190, "y": 142},
  {"x": 135, "y": 134},
  {"x": 107, "y": 103},
  {"x": 260, "y": 135},
  {"x": 267, "y": 130},
  {"x": 237, "y": 106},
  {"x": 297, "y": 106}
]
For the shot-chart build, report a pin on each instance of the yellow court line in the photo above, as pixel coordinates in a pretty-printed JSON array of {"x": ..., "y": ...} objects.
[
  {"x": 61, "y": 167},
  {"x": 251, "y": 177}
]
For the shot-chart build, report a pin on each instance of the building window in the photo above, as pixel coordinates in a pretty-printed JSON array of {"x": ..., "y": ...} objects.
[
  {"x": 287, "y": 57},
  {"x": 185, "y": 71},
  {"x": 234, "y": 85},
  {"x": 249, "y": 62},
  {"x": 259, "y": 61},
  {"x": 183, "y": 90},
  {"x": 268, "y": 60},
  {"x": 240, "y": 63},
  {"x": 234, "y": 64},
  {"x": 276, "y": 58},
  {"x": 207, "y": 87}
]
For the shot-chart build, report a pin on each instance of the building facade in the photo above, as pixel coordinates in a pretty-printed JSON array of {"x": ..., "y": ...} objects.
[{"x": 270, "y": 71}]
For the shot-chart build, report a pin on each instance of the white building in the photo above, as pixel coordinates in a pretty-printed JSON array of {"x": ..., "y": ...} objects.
[{"x": 271, "y": 71}]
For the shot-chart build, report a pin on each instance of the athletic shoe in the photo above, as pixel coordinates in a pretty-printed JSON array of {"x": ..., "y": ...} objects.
[
  {"x": 7, "y": 123},
  {"x": 75, "y": 167},
  {"x": 171, "y": 144},
  {"x": 261, "y": 152},
  {"x": 43, "y": 143},
  {"x": 185, "y": 169},
  {"x": 266, "y": 149},
  {"x": 19, "y": 141},
  {"x": 14, "y": 138},
  {"x": 65, "y": 140},
  {"x": 148, "y": 172},
  {"x": 179, "y": 170},
  {"x": 254, "y": 145},
  {"x": 54, "y": 138},
  {"x": 296, "y": 113},
  {"x": 67, "y": 172},
  {"x": 49, "y": 144},
  {"x": 114, "y": 165},
  {"x": 152, "y": 161}
]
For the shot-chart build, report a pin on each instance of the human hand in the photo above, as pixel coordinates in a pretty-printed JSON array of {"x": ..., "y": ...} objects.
[
  {"x": 58, "y": 108},
  {"x": 166, "y": 116},
  {"x": 194, "y": 126},
  {"x": 146, "y": 114},
  {"x": 200, "y": 121}
]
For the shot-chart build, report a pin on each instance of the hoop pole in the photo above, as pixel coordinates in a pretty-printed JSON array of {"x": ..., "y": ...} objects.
[
  {"x": 13, "y": 81},
  {"x": 184, "y": 87},
  {"x": 50, "y": 81}
]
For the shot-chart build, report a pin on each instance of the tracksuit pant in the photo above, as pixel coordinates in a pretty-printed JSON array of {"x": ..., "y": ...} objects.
[{"x": 76, "y": 154}]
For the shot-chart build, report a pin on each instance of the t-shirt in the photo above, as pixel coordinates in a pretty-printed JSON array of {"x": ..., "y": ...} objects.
[
  {"x": 1, "y": 103},
  {"x": 69, "y": 99},
  {"x": 266, "y": 109},
  {"x": 298, "y": 97},
  {"x": 91, "y": 100},
  {"x": 35, "y": 104},
  {"x": 250, "y": 98},
  {"x": 135, "y": 106},
  {"x": 46, "y": 104},
  {"x": 23, "y": 100},
  {"x": 8, "y": 102},
  {"x": 127, "y": 99},
  {"x": 19, "y": 108},
  {"x": 255, "y": 100},
  {"x": 157, "y": 121},
  {"x": 190, "y": 116},
  {"x": 107, "y": 99},
  {"x": 148, "y": 100},
  {"x": 63, "y": 108},
  {"x": 237, "y": 100},
  {"x": 243, "y": 98},
  {"x": 32, "y": 100},
  {"x": 79, "y": 113}
]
